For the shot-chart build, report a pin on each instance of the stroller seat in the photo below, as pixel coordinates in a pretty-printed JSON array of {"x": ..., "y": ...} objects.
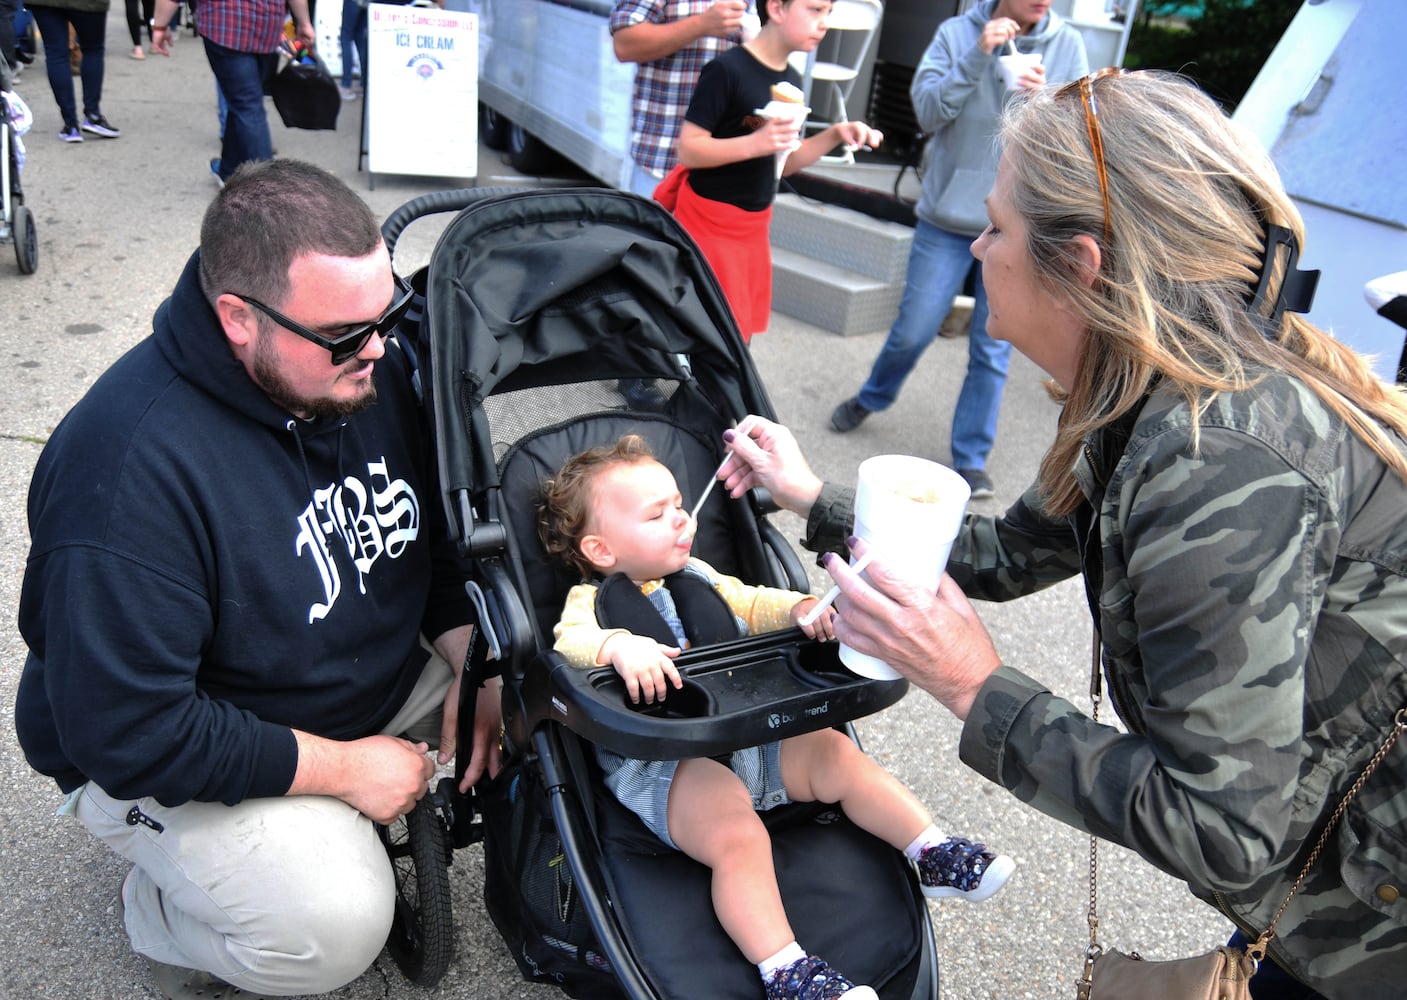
[{"x": 557, "y": 321}]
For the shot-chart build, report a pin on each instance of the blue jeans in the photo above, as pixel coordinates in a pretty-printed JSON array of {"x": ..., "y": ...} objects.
[
  {"x": 354, "y": 34},
  {"x": 240, "y": 77},
  {"x": 1272, "y": 982},
  {"x": 91, "y": 28},
  {"x": 938, "y": 266}
]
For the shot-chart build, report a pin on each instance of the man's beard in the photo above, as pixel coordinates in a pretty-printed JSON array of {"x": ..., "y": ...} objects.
[{"x": 277, "y": 388}]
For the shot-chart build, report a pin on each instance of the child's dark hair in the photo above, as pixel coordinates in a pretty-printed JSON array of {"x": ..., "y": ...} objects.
[{"x": 564, "y": 502}]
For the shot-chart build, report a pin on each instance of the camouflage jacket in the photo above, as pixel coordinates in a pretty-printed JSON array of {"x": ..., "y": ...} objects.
[{"x": 1252, "y": 602}]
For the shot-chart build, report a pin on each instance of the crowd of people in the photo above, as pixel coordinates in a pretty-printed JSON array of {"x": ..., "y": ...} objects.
[{"x": 1226, "y": 479}]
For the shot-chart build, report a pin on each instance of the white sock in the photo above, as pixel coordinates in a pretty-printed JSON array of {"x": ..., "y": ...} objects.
[
  {"x": 791, "y": 953},
  {"x": 930, "y": 836}
]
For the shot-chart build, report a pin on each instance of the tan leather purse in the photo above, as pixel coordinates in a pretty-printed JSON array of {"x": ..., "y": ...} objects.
[{"x": 1222, "y": 973}]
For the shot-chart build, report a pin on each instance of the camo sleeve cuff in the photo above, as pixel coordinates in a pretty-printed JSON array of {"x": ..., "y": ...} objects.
[
  {"x": 995, "y": 710},
  {"x": 832, "y": 516}
]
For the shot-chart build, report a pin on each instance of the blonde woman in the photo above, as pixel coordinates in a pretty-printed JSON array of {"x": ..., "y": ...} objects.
[{"x": 1231, "y": 483}]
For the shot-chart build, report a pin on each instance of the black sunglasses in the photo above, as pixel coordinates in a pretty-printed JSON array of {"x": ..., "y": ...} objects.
[{"x": 349, "y": 345}]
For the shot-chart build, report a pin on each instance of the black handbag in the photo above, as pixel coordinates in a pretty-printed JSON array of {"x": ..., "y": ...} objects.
[{"x": 304, "y": 92}]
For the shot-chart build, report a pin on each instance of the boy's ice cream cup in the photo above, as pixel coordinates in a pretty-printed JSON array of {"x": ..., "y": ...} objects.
[{"x": 787, "y": 103}]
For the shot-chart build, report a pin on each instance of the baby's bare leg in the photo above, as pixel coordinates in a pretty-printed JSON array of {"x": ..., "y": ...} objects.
[
  {"x": 711, "y": 818},
  {"x": 827, "y": 766}
]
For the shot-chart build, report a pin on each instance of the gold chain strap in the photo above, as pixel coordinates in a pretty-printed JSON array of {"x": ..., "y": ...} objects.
[
  {"x": 1256, "y": 950},
  {"x": 1399, "y": 723},
  {"x": 1095, "y": 949}
]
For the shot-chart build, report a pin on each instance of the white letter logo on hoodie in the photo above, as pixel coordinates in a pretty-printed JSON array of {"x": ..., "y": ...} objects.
[{"x": 372, "y": 521}]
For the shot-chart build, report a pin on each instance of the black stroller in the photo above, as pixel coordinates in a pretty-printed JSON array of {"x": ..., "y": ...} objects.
[{"x": 555, "y": 321}]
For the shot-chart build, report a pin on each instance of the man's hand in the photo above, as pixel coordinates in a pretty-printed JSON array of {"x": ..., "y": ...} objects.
[
  {"x": 644, "y": 665},
  {"x": 648, "y": 41},
  {"x": 380, "y": 776},
  {"x": 486, "y": 751},
  {"x": 723, "y": 18}
]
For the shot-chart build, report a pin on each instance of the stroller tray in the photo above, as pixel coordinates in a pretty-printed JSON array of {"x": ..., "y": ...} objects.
[{"x": 736, "y": 694}]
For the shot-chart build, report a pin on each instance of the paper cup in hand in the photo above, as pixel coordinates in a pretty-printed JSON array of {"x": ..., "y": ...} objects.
[
  {"x": 909, "y": 510},
  {"x": 1014, "y": 67}
]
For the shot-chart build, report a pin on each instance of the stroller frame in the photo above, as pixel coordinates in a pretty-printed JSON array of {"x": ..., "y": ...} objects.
[
  {"x": 736, "y": 694},
  {"x": 16, "y": 220}
]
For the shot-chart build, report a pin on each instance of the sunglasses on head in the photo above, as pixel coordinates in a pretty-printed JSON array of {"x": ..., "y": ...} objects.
[
  {"x": 1085, "y": 86},
  {"x": 349, "y": 345}
]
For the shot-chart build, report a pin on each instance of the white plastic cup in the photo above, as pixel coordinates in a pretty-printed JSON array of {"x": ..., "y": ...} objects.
[
  {"x": 1014, "y": 67},
  {"x": 909, "y": 510}
]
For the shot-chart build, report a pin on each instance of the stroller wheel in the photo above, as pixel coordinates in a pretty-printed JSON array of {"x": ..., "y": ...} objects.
[
  {"x": 422, "y": 931},
  {"x": 26, "y": 242}
]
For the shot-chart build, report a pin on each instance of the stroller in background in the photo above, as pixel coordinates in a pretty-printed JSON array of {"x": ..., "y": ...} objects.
[
  {"x": 16, "y": 220},
  {"x": 556, "y": 321}
]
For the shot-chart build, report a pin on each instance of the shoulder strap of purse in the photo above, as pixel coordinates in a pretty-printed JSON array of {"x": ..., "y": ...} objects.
[{"x": 1257, "y": 949}]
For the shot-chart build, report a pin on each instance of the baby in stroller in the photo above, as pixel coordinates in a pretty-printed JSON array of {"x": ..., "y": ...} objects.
[{"x": 615, "y": 516}]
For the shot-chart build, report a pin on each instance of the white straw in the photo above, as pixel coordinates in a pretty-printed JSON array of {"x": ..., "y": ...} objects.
[
  {"x": 1011, "y": 47},
  {"x": 834, "y": 592}
]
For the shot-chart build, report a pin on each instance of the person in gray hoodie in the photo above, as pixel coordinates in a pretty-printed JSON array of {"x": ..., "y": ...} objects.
[{"x": 958, "y": 94}]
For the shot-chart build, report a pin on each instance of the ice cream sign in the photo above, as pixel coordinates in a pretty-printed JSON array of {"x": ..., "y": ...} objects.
[{"x": 424, "y": 72}]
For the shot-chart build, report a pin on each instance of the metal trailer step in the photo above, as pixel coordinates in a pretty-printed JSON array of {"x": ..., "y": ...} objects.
[
  {"x": 842, "y": 236},
  {"x": 830, "y": 297}
]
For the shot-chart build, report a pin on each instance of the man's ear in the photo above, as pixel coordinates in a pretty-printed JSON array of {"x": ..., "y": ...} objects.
[
  {"x": 1088, "y": 257},
  {"x": 597, "y": 552},
  {"x": 237, "y": 319}
]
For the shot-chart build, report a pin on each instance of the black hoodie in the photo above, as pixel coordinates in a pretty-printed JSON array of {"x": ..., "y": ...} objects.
[{"x": 207, "y": 572}]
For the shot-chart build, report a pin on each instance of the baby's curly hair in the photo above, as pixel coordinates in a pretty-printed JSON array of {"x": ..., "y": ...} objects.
[{"x": 564, "y": 502}]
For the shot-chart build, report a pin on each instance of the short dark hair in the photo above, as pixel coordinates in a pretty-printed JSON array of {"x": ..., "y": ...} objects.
[
  {"x": 564, "y": 502},
  {"x": 268, "y": 215}
]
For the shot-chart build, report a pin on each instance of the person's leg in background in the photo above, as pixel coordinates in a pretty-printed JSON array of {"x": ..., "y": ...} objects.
[
  {"x": 91, "y": 26},
  {"x": 938, "y": 264},
  {"x": 240, "y": 77},
  {"x": 138, "y": 14},
  {"x": 9, "y": 9},
  {"x": 979, "y": 401},
  {"x": 53, "y": 28},
  {"x": 351, "y": 13}
]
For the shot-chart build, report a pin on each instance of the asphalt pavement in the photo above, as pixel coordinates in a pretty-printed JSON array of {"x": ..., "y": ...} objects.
[{"x": 116, "y": 220}]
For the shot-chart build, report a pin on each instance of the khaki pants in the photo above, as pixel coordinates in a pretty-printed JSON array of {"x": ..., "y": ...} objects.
[{"x": 281, "y": 896}]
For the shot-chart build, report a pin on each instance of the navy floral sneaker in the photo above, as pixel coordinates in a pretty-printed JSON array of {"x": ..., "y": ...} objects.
[
  {"x": 812, "y": 979},
  {"x": 964, "y": 869}
]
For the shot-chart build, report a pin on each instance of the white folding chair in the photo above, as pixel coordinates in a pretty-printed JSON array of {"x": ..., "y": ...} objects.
[{"x": 851, "y": 29}]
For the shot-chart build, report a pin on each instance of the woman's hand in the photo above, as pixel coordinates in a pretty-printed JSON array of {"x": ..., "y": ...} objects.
[
  {"x": 765, "y": 454},
  {"x": 935, "y": 640}
]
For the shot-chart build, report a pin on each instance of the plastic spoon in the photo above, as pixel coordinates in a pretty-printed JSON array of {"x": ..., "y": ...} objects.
[{"x": 694, "y": 514}]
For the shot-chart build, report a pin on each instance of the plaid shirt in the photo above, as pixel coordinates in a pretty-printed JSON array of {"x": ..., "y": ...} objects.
[
  {"x": 663, "y": 87},
  {"x": 242, "y": 25}
]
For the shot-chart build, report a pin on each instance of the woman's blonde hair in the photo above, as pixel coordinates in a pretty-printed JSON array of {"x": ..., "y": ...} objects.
[{"x": 1190, "y": 197}]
